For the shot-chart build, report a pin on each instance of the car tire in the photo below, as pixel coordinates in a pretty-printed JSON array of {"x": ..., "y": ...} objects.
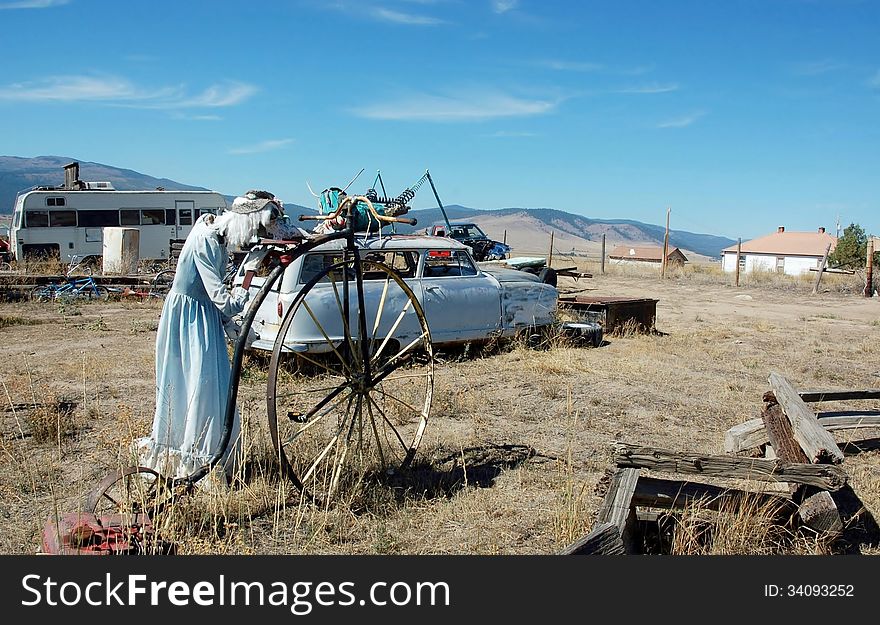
[
  {"x": 548, "y": 276},
  {"x": 589, "y": 334}
]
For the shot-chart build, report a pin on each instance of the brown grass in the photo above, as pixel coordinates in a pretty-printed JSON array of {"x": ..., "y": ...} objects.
[{"x": 517, "y": 441}]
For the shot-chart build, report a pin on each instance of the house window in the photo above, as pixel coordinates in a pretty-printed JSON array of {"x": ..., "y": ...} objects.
[
  {"x": 780, "y": 264},
  {"x": 742, "y": 263}
]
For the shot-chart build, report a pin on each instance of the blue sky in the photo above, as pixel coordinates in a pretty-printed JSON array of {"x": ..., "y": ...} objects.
[{"x": 737, "y": 115}]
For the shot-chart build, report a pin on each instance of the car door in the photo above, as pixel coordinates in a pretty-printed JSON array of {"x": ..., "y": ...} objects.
[{"x": 461, "y": 303}]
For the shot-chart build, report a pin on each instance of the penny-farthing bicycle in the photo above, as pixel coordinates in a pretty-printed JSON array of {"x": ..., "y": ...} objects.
[{"x": 351, "y": 375}]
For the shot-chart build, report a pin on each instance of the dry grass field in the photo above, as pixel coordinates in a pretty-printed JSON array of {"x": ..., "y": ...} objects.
[{"x": 518, "y": 446}]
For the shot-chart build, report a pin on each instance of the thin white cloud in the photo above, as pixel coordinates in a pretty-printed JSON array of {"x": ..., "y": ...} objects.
[
  {"x": 570, "y": 66},
  {"x": 650, "y": 88},
  {"x": 510, "y": 134},
  {"x": 397, "y": 17},
  {"x": 228, "y": 94},
  {"x": 33, "y": 4},
  {"x": 113, "y": 90},
  {"x": 681, "y": 122},
  {"x": 874, "y": 81},
  {"x": 503, "y": 6},
  {"x": 263, "y": 146},
  {"x": 814, "y": 68},
  {"x": 460, "y": 107},
  {"x": 197, "y": 118}
]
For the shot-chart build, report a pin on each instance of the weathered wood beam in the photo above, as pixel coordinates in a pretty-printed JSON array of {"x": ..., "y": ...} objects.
[
  {"x": 675, "y": 494},
  {"x": 817, "y": 396},
  {"x": 751, "y": 433},
  {"x": 815, "y": 440},
  {"x": 817, "y": 510},
  {"x": 782, "y": 441},
  {"x": 617, "y": 507},
  {"x": 824, "y": 476},
  {"x": 604, "y": 540}
]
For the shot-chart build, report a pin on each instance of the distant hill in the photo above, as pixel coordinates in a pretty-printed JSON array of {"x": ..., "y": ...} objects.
[
  {"x": 527, "y": 229},
  {"x": 571, "y": 232}
]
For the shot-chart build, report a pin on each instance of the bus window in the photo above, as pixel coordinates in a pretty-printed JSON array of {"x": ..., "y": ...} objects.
[
  {"x": 62, "y": 218},
  {"x": 207, "y": 211},
  {"x": 129, "y": 217},
  {"x": 98, "y": 218},
  {"x": 186, "y": 217},
  {"x": 37, "y": 219},
  {"x": 55, "y": 201},
  {"x": 152, "y": 216},
  {"x": 170, "y": 217}
]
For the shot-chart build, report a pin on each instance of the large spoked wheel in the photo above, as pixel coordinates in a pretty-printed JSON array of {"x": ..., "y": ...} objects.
[
  {"x": 132, "y": 490},
  {"x": 350, "y": 380}
]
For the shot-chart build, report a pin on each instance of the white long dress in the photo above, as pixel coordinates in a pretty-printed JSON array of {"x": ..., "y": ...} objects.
[{"x": 192, "y": 363}]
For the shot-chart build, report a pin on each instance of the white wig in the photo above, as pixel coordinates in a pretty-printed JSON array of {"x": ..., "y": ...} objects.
[{"x": 240, "y": 228}]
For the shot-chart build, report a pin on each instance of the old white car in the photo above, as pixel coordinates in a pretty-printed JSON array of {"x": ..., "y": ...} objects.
[{"x": 461, "y": 300}]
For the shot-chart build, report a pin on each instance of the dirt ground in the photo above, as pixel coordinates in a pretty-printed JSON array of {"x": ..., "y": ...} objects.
[{"x": 517, "y": 448}]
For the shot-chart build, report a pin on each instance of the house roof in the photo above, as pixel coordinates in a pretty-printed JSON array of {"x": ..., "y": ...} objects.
[
  {"x": 784, "y": 243},
  {"x": 643, "y": 252}
]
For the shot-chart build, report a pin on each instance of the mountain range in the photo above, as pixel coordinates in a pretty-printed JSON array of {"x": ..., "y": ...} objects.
[{"x": 527, "y": 230}]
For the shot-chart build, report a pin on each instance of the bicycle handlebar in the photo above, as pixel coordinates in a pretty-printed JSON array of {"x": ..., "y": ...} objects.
[{"x": 347, "y": 206}]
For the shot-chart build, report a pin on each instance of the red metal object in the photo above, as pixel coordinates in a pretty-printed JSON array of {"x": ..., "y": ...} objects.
[{"x": 83, "y": 533}]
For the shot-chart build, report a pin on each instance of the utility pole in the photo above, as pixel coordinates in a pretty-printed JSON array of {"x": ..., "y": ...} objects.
[
  {"x": 550, "y": 253},
  {"x": 665, "y": 246},
  {"x": 739, "y": 243},
  {"x": 869, "y": 268},
  {"x": 603, "y": 252}
]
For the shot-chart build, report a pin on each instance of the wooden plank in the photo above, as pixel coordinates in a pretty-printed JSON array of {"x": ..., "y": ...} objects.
[
  {"x": 675, "y": 494},
  {"x": 817, "y": 510},
  {"x": 816, "y": 396},
  {"x": 815, "y": 440},
  {"x": 782, "y": 443},
  {"x": 752, "y": 433},
  {"x": 825, "y": 476},
  {"x": 604, "y": 540},
  {"x": 617, "y": 507}
]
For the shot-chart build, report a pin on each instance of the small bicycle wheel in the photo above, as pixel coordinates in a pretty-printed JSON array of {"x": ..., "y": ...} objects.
[
  {"x": 42, "y": 293},
  {"x": 161, "y": 284},
  {"x": 99, "y": 292},
  {"x": 359, "y": 398},
  {"x": 131, "y": 490}
]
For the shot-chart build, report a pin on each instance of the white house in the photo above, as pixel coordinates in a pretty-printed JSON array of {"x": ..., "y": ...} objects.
[{"x": 791, "y": 253}]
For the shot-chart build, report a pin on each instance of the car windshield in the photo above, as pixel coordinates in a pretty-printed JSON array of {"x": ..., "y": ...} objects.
[{"x": 467, "y": 231}]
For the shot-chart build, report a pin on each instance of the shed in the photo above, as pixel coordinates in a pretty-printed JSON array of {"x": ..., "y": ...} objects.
[{"x": 646, "y": 255}]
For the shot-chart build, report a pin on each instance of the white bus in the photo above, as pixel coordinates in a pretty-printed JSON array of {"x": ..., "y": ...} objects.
[{"x": 69, "y": 222}]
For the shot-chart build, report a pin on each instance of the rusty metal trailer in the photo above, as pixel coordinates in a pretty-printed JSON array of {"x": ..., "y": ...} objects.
[{"x": 615, "y": 314}]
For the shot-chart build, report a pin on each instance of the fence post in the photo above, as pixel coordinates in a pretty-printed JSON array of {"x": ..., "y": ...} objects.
[{"x": 738, "y": 256}]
